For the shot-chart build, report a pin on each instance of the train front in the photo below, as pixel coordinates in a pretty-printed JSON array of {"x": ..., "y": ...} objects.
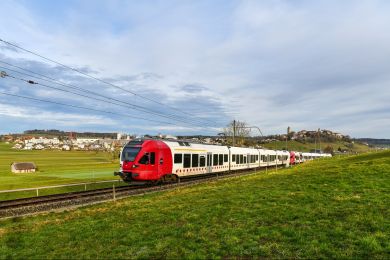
[{"x": 144, "y": 160}]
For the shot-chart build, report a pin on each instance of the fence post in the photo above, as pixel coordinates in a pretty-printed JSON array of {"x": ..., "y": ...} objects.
[
  {"x": 37, "y": 192},
  {"x": 113, "y": 191},
  {"x": 85, "y": 187}
]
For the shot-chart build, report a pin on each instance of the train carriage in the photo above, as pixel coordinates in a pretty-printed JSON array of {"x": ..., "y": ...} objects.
[
  {"x": 167, "y": 160},
  {"x": 195, "y": 159},
  {"x": 283, "y": 158},
  {"x": 264, "y": 157},
  {"x": 243, "y": 158},
  {"x": 271, "y": 158},
  {"x": 298, "y": 157}
]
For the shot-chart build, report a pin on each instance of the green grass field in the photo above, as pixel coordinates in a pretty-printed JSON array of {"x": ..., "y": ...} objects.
[
  {"x": 55, "y": 167},
  {"x": 330, "y": 208}
]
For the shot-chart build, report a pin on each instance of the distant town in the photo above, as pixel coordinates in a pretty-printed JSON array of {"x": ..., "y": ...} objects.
[{"x": 89, "y": 141}]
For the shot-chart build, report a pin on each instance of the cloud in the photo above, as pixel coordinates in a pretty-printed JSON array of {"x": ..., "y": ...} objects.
[
  {"x": 193, "y": 88},
  {"x": 58, "y": 118},
  {"x": 271, "y": 63}
]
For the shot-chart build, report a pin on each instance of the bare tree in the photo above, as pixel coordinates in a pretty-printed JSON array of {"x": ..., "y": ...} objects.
[
  {"x": 329, "y": 149},
  {"x": 242, "y": 131}
]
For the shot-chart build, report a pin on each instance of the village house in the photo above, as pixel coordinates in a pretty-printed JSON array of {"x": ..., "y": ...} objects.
[{"x": 23, "y": 167}]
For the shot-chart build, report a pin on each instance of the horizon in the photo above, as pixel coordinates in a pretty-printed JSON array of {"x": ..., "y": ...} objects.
[{"x": 179, "y": 135}]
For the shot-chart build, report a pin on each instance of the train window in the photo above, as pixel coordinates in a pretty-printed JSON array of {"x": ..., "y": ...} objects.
[
  {"x": 187, "y": 160},
  {"x": 195, "y": 160},
  {"x": 241, "y": 159},
  {"x": 244, "y": 159},
  {"x": 225, "y": 158},
  {"x": 220, "y": 159},
  {"x": 186, "y": 144},
  {"x": 215, "y": 159},
  {"x": 178, "y": 158},
  {"x": 209, "y": 160},
  {"x": 152, "y": 157},
  {"x": 129, "y": 153},
  {"x": 257, "y": 157},
  {"x": 202, "y": 161},
  {"x": 233, "y": 158},
  {"x": 144, "y": 159},
  {"x": 181, "y": 143}
]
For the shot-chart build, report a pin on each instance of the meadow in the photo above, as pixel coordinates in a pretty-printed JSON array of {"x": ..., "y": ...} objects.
[
  {"x": 329, "y": 208},
  {"x": 55, "y": 167}
]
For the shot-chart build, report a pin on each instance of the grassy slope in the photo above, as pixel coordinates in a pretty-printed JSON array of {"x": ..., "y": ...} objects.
[
  {"x": 306, "y": 147},
  {"x": 331, "y": 208},
  {"x": 54, "y": 167}
]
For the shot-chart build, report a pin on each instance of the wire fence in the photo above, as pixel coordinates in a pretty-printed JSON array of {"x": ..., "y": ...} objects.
[{"x": 38, "y": 189}]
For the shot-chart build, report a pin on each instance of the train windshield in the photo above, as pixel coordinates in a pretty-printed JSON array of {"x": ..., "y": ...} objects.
[{"x": 129, "y": 153}]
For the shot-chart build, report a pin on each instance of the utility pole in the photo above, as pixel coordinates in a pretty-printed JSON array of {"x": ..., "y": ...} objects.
[
  {"x": 243, "y": 127},
  {"x": 234, "y": 132},
  {"x": 288, "y": 133},
  {"x": 319, "y": 138}
]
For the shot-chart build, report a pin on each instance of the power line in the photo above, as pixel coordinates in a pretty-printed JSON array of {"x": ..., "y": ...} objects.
[
  {"x": 133, "y": 106},
  {"x": 95, "y": 78},
  {"x": 81, "y": 107},
  {"x": 138, "y": 108}
]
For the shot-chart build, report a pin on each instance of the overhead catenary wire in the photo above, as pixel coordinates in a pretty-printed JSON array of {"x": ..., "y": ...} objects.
[
  {"x": 102, "y": 100},
  {"x": 96, "y": 78},
  {"x": 130, "y": 105},
  {"x": 82, "y": 107}
]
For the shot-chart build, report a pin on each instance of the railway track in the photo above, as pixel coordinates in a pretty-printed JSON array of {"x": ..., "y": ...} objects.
[{"x": 27, "y": 206}]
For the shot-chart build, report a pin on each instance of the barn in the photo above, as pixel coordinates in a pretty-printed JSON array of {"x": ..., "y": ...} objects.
[{"x": 23, "y": 167}]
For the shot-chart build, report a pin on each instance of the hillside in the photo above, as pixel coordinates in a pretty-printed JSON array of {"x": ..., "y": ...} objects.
[{"x": 331, "y": 208}]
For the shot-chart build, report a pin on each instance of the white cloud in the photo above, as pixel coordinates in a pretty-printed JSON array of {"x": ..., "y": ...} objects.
[
  {"x": 272, "y": 63},
  {"x": 56, "y": 118}
]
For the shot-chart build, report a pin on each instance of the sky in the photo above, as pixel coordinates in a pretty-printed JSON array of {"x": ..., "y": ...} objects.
[{"x": 191, "y": 67}]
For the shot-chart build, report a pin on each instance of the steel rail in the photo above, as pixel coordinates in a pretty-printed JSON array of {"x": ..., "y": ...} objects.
[{"x": 22, "y": 207}]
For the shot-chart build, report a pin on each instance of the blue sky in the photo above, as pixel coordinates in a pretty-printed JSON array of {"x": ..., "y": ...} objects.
[{"x": 273, "y": 64}]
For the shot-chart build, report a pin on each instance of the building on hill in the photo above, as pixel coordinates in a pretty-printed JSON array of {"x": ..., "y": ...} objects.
[{"x": 23, "y": 167}]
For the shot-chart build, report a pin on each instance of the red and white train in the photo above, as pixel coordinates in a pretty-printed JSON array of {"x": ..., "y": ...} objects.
[{"x": 153, "y": 160}]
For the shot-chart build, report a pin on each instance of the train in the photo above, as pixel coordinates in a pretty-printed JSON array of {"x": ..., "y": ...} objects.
[{"x": 166, "y": 161}]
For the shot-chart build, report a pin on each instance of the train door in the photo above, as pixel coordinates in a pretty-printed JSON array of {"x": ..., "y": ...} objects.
[
  {"x": 248, "y": 160},
  {"x": 209, "y": 167},
  {"x": 160, "y": 163},
  {"x": 147, "y": 165}
]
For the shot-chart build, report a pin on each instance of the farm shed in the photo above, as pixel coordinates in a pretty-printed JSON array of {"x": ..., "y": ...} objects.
[{"x": 23, "y": 167}]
